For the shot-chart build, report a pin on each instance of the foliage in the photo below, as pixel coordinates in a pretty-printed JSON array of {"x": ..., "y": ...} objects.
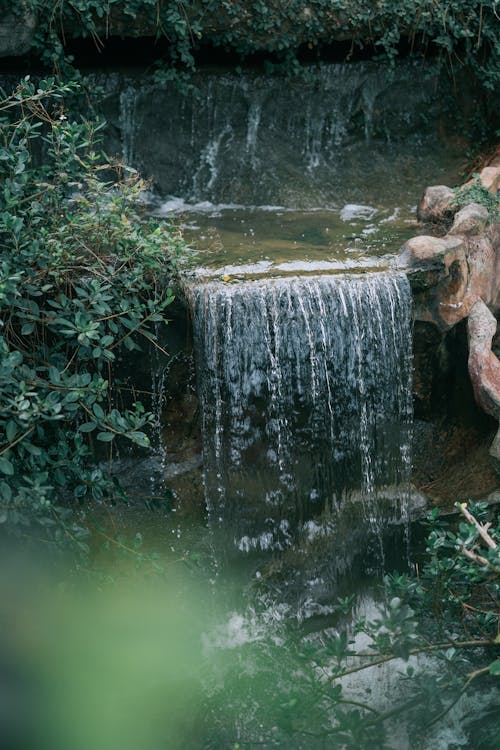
[
  {"x": 363, "y": 682},
  {"x": 440, "y": 629},
  {"x": 475, "y": 192},
  {"x": 83, "y": 279},
  {"x": 462, "y": 32}
]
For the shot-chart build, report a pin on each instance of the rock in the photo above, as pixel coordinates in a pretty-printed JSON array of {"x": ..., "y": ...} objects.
[
  {"x": 435, "y": 203},
  {"x": 431, "y": 251},
  {"x": 495, "y": 460},
  {"x": 471, "y": 219},
  {"x": 484, "y": 367},
  {"x": 490, "y": 178},
  {"x": 483, "y": 277},
  {"x": 438, "y": 273},
  {"x": 16, "y": 33}
]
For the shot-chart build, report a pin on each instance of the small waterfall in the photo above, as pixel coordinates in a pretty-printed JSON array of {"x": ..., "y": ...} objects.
[
  {"x": 158, "y": 391},
  {"x": 305, "y": 395},
  {"x": 210, "y": 143},
  {"x": 128, "y": 123}
]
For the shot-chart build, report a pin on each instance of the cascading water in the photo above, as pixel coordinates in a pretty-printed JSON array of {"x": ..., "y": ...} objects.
[
  {"x": 256, "y": 140},
  {"x": 305, "y": 391}
]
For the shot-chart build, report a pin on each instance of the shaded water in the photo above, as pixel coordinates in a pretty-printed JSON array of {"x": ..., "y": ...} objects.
[{"x": 256, "y": 139}]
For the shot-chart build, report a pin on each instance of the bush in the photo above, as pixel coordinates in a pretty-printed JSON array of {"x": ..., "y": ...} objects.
[{"x": 83, "y": 278}]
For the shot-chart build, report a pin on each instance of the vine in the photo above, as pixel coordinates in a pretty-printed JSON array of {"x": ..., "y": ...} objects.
[{"x": 463, "y": 33}]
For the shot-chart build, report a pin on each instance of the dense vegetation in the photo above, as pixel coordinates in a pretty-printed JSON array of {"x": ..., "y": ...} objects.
[
  {"x": 463, "y": 33},
  {"x": 83, "y": 278}
]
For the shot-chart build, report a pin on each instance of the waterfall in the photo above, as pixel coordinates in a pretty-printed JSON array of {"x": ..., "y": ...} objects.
[
  {"x": 304, "y": 140},
  {"x": 305, "y": 396},
  {"x": 128, "y": 123}
]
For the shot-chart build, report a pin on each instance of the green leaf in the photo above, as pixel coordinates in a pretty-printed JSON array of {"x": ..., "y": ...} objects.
[
  {"x": 6, "y": 467},
  {"x": 105, "y": 437},
  {"x": 35, "y": 450},
  {"x": 88, "y": 426},
  {"x": 494, "y": 668},
  {"x": 11, "y": 430},
  {"x": 98, "y": 411},
  {"x": 54, "y": 375},
  {"x": 140, "y": 439},
  {"x": 27, "y": 329},
  {"x": 5, "y": 492}
]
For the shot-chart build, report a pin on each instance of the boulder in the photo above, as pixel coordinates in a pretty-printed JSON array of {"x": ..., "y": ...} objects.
[
  {"x": 484, "y": 367},
  {"x": 435, "y": 203},
  {"x": 471, "y": 219},
  {"x": 438, "y": 272},
  {"x": 438, "y": 252},
  {"x": 16, "y": 33},
  {"x": 490, "y": 178},
  {"x": 482, "y": 261}
]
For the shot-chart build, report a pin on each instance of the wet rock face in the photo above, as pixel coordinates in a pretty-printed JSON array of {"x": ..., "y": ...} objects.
[{"x": 16, "y": 33}]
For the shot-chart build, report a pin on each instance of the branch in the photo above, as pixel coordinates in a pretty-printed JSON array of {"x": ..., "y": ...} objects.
[
  {"x": 414, "y": 652},
  {"x": 481, "y": 529}
]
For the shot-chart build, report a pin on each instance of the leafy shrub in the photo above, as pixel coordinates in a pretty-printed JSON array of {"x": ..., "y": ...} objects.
[
  {"x": 475, "y": 192},
  {"x": 83, "y": 278}
]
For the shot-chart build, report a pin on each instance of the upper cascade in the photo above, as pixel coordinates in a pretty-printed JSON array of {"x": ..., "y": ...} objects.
[{"x": 256, "y": 139}]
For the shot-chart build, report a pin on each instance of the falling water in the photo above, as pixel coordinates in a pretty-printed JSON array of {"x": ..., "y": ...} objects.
[
  {"x": 128, "y": 123},
  {"x": 305, "y": 390},
  {"x": 158, "y": 389},
  {"x": 211, "y": 142}
]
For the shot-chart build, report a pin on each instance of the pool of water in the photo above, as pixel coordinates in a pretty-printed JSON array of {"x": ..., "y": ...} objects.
[{"x": 237, "y": 241}]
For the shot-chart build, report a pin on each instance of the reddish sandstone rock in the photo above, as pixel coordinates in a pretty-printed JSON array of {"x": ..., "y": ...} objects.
[
  {"x": 490, "y": 178},
  {"x": 431, "y": 251},
  {"x": 471, "y": 219},
  {"x": 484, "y": 367},
  {"x": 435, "y": 203}
]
